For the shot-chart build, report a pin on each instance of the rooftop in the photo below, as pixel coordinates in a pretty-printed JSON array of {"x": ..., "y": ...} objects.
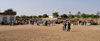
[{"x": 7, "y": 13}]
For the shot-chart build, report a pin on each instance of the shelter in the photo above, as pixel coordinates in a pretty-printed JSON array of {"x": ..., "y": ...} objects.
[{"x": 7, "y": 17}]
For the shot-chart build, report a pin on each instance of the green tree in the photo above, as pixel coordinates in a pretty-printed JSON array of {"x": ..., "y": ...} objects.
[
  {"x": 45, "y": 16},
  {"x": 70, "y": 15},
  {"x": 64, "y": 16},
  {"x": 40, "y": 16},
  {"x": 35, "y": 17},
  {"x": 23, "y": 16},
  {"x": 73, "y": 16},
  {"x": 17, "y": 17},
  {"x": 93, "y": 16},
  {"x": 78, "y": 14},
  {"x": 83, "y": 15},
  {"x": 9, "y": 11},
  {"x": 55, "y": 14},
  {"x": 27, "y": 17},
  {"x": 30, "y": 16}
]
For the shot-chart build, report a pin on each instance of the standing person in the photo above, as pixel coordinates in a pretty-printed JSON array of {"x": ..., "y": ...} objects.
[
  {"x": 64, "y": 25},
  {"x": 26, "y": 21},
  {"x": 10, "y": 23},
  {"x": 46, "y": 23},
  {"x": 21, "y": 22},
  {"x": 49, "y": 22},
  {"x": 37, "y": 23},
  {"x": 69, "y": 26},
  {"x": 32, "y": 22},
  {"x": 54, "y": 23}
]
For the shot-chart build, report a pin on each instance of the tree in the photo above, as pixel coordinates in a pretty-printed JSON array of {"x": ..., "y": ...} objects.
[
  {"x": 78, "y": 14},
  {"x": 55, "y": 14},
  {"x": 9, "y": 11},
  {"x": 30, "y": 16},
  {"x": 73, "y": 16},
  {"x": 35, "y": 17},
  {"x": 23, "y": 16},
  {"x": 40, "y": 16},
  {"x": 83, "y": 15},
  {"x": 70, "y": 15},
  {"x": 93, "y": 16},
  {"x": 45, "y": 16},
  {"x": 64, "y": 16},
  {"x": 27, "y": 17},
  {"x": 17, "y": 17}
]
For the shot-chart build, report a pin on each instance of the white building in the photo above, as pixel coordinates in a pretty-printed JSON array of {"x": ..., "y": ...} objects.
[
  {"x": 53, "y": 17},
  {"x": 7, "y": 17}
]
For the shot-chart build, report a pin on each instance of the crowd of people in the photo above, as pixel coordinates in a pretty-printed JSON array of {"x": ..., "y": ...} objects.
[
  {"x": 32, "y": 21},
  {"x": 38, "y": 22}
]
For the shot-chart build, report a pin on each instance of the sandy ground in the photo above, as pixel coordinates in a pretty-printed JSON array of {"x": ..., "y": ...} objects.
[{"x": 43, "y": 33}]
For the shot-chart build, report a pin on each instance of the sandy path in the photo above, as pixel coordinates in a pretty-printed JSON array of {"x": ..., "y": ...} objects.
[{"x": 42, "y": 33}]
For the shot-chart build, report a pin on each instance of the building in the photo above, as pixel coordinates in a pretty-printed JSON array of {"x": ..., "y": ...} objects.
[
  {"x": 53, "y": 17},
  {"x": 7, "y": 17}
]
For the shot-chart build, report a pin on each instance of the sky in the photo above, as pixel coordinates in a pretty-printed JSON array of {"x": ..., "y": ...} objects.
[{"x": 40, "y": 7}]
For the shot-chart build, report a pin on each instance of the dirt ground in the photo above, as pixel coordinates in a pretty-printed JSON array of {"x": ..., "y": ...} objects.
[{"x": 43, "y": 33}]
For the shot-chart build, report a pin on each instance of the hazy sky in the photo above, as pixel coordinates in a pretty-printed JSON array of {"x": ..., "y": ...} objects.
[{"x": 39, "y": 7}]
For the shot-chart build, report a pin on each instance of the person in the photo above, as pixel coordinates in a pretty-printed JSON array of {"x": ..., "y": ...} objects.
[
  {"x": 10, "y": 23},
  {"x": 64, "y": 25},
  {"x": 37, "y": 23},
  {"x": 49, "y": 23},
  {"x": 46, "y": 23},
  {"x": 26, "y": 22},
  {"x": 32, "y": 22},
  {"x": 69, "y": 26},
  {"x": 21, "y": 22},
  {"x": 54, "y": 23}
]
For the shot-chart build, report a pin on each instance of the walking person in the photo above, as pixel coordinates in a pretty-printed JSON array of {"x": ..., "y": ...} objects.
[{"x": 69, "y": 26}]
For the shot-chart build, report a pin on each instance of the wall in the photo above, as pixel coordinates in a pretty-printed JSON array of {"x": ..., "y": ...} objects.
[
  {"x": 8, "y": 18},
  {"x": 0, "y": 18}
]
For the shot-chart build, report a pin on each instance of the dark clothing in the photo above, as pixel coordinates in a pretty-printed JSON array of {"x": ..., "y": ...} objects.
[
  {"x": 32, "y": 22},
  {"x": 46, "y": 23},
  {"x": 69, "y": 27},
  {"x": 65, "y": 25}
]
